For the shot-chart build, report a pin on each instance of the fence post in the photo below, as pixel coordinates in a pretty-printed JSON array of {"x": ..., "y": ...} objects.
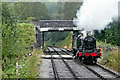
[{"x": 105, "y": 43}]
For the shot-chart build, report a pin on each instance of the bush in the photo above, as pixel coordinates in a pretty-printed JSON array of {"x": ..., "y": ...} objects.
[{"x": 111, "y": 60}]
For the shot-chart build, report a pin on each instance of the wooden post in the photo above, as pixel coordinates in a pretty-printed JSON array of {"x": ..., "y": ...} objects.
[{"x": 105, "y": 43}]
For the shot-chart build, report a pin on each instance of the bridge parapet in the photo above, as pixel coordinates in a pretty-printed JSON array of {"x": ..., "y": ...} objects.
[{"x": 53, "y": 23}]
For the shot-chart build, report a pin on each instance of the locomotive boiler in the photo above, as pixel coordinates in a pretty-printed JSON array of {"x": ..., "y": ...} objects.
[{"x": 85, "y": 48}]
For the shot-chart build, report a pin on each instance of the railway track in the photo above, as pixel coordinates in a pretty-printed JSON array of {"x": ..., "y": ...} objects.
[
  {"x": 104, "y": 72},
  {"x": 53, "y": 66},
  {"x": 90, "y": 69},
  {"x": 98, "y": 70},
  {"x": 72, "y": 72},
  {"x": 62, "y": 49},
  {"x": 101, "y": 72}
]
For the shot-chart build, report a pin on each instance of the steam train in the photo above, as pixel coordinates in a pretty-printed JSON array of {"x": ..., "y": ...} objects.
[{"x": 84, "y": 48}]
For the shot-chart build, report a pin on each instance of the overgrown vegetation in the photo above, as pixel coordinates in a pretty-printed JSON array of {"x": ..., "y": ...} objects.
[
  {"x": 17, "y": 40},
  {"x": 67, "y": 43},
  {"x": 110, "y": 57},
  {"x": 25, "y": 38},
  {"x": 61, "y": 40},
  {"x": 30, "y": 65}
]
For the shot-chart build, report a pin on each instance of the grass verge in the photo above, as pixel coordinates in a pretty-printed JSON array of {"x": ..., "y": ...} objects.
[{"x": 110, "y": 57}]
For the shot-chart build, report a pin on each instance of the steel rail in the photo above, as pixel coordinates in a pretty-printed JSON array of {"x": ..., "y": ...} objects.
[
  {"x": 108, "y": 70},
  {"x": 54, "y": 67},
  {"x": 64, "y": 51},
  {"x": 93, "y": 71},
  {"x": 61, "y": 47},
  {"x": 67, "y": 65}
]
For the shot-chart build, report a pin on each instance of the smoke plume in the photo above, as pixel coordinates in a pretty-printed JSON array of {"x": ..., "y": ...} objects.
[{"x": 96, "y": 14}]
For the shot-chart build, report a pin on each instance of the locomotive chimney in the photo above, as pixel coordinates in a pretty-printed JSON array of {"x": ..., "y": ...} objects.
[{"x": 89, "y": 33}]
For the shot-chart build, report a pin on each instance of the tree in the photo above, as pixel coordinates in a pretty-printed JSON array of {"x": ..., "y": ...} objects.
[
  {"x": 56, "y": 10},
  {"x": 97, "y": 34},
  {"x": 70, "y": 10},
  {"x": 8, "y": 31},
  {"x": 31, "y": 9},
  {"x": 112, "y": 32}
]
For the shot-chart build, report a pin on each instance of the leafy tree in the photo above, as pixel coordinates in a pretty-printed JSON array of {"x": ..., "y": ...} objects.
[
  {"x": 8, "y": 31},
  {"x": 56, "y": 10},
  {"x": 96, "y": 34},
  {"x": 112, "y": 32},
  {"x": 70, "y": 9},
  {"x": 9, "y": 40},
  {"x": 31, "y": 9}
]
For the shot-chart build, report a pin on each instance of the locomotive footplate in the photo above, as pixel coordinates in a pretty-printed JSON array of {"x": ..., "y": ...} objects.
[
  {"x": 87, "y": 53},
  {"x": 90, "y": 54}
]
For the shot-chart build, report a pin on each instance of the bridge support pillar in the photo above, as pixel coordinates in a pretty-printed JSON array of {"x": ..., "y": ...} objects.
[
  {"x": 40, "y": 39},
  {"x": 72, "y": 40},
  {"x": 75, "y": 34}
]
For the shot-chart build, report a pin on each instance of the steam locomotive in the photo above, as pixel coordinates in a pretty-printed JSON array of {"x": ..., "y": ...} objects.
[{"x": 84, "y": 48}]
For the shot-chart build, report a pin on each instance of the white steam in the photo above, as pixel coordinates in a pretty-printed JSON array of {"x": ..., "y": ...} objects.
[{"x": 96, "y": 14}]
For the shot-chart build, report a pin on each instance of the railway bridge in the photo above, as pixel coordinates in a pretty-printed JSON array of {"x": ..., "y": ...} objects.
[{"x": 41, "y": 26}]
